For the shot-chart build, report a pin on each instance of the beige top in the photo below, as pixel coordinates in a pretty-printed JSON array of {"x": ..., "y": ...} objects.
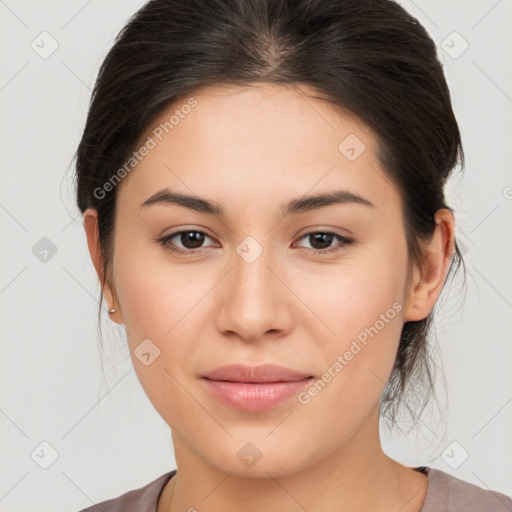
[{"x": 445, "y": 493}]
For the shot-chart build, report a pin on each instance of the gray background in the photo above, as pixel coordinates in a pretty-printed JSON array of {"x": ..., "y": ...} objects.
[{"x": 104, "y": 437}]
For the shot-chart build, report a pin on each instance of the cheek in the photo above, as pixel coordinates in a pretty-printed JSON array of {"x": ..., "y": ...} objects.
[
  {"x": 155, "y": 295},
  {"x": 359, "y": 309},
  {"x": 156, "y": 308},
  {"x": 349, "y": 297}
]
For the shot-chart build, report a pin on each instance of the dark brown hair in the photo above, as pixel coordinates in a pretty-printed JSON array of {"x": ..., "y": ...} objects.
[{"x": 369, "y": 57}]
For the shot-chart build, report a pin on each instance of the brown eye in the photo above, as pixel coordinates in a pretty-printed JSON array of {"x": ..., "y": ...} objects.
[
  {"x": 321, "y": 241},
  {"x": 191, "y": 241}
]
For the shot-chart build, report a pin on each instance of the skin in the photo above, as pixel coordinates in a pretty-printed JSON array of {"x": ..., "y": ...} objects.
[{"x": 251, "y": 149}]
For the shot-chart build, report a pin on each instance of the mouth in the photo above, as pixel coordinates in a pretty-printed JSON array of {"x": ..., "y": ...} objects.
[
  {"x": 266, "y": 373},
  {"x": 255, "y": 388}
]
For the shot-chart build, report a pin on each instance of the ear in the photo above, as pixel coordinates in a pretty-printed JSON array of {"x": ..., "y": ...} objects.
[
  {"x": 90, "y": 220},
  {"x": 426, "y": 285}
]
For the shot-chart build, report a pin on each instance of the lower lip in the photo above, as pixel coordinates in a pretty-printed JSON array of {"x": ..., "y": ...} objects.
[{"x": 255, "y": 397}]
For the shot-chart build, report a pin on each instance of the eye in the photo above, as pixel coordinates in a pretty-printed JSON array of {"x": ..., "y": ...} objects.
[
  {"x": 321, "y": 241},
  {"x": 190, "y": 239}
]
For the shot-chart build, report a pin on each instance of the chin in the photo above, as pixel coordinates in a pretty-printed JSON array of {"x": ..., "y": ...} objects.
[{"x": 248, "y": 461}]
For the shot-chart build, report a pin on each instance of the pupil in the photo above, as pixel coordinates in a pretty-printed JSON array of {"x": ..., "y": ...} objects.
[
  {"x": 321, "y": 237},
  {"x": 195, "y": 237}
]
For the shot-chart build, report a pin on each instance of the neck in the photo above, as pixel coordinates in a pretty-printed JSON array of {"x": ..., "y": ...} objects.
[{"x": 358, "y": 477}]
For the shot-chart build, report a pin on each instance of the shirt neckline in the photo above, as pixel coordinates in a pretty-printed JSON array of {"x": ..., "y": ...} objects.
[{"x": 420, "y": 469}]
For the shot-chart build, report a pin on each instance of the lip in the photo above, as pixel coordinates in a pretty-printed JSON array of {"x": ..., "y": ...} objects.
[
  {"x": 254, "y": 388},
  {"x": 255, "y": 374}
]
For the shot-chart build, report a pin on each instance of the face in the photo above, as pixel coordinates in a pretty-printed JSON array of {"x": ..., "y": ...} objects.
[{"x": 319, "y": 290}]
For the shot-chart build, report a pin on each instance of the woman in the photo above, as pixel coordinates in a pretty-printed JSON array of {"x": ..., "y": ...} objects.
[{"x": 262, "y": 189}]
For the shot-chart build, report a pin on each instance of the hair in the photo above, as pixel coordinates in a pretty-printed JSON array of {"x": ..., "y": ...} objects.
[{"x": 369, "y": 57}]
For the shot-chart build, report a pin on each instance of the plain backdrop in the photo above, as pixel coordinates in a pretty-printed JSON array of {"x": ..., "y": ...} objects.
[{"x": 71, "y": 437}]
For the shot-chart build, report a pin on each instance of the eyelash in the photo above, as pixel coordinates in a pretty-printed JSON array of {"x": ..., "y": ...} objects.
[{"x": 343, "y": 239}]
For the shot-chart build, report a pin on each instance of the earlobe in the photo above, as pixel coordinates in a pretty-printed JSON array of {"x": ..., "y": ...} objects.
[
  {"x": 90, "y": 220},
  {"x": 437, "y": 256}
]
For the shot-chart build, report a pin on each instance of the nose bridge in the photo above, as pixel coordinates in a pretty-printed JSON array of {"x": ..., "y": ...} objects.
[
  {"x": 253, "y": 302},
  {"x": 253, "y": 282},
  {"x": 252, "y": 262}
]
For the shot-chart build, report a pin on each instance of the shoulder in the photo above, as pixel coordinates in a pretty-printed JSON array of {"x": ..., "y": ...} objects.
[
  {"x": 448, "y": 493},
  {"x": 143, "y": 499}
]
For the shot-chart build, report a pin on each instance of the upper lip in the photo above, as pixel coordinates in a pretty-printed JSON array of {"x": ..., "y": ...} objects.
[{"x": 262, "y": 373}]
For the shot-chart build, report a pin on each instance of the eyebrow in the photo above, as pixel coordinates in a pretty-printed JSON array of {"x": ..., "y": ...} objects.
[{"x": 295, "y": 206}]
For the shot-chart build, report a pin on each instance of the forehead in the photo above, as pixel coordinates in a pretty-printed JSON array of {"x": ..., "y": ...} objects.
[{"x": 266, "y": 139}]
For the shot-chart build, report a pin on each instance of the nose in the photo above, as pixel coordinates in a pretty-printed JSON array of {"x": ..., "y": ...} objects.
[{"x": 254, "y": 300}]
